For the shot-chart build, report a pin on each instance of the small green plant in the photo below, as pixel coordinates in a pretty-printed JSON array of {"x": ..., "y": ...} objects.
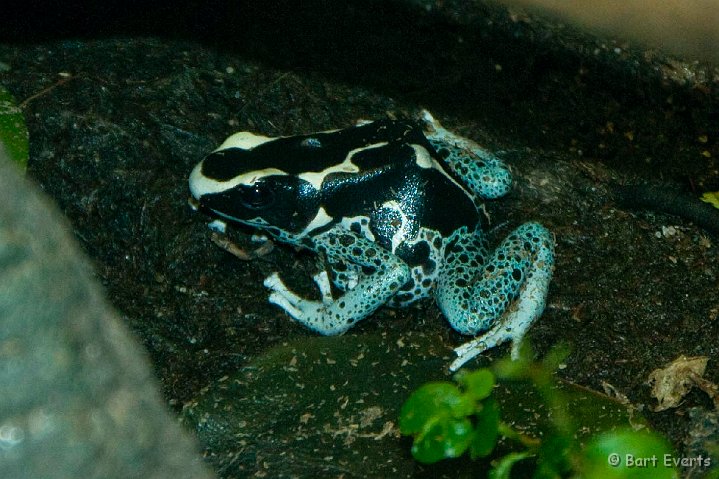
[{"x": 448, "y": 420}]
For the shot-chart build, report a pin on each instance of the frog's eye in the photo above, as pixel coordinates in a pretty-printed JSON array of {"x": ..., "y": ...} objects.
[{"x": 257, "y": 195}]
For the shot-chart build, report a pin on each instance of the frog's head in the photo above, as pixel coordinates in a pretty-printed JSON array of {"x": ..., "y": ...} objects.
[{"x": 244, "y": 184}]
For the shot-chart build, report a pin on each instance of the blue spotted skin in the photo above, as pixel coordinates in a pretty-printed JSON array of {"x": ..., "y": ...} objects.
[{"x": 393, "y": 208}]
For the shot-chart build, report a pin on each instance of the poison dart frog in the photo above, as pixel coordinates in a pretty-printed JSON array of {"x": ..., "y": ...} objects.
[{"x": 394, "y": 210}]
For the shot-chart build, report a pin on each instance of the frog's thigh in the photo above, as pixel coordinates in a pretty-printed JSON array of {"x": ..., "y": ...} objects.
[
  {"x": 517, "y": 274},
  {"x": 335, "y": 316}
]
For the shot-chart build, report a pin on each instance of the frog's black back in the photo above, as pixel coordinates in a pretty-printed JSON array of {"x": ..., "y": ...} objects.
[{"x": 394, "y": 186}]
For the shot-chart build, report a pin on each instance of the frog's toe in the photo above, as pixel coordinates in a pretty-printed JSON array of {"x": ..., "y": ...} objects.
[
  {"x": 285, "y": 303},
  {"x": 494, "y": 337},
  {"x": 468, "y": 351},
  {"x": 322, "y": 281},
  {"x": 275, "y": 284},
  {"x": 283, "y": 297},
  {"x": 428, "y": 118}
]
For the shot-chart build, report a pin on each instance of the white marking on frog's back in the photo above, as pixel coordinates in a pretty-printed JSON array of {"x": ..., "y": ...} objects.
[
  {"x": 315, "y": 178},
  {"x": 244, "y": 140},
  {"x": 202, "y": 185},
  {"x": 320, "y": 220},
  {"x": 403, "y": 232},
  {"x": 425, "y": 160},
  {"x": 247, "y": 140}
]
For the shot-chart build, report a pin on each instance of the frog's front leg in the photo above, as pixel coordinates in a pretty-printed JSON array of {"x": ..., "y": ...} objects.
[
  {"x": 507, "y": 294},
  {"x": 335, "y": 316}
]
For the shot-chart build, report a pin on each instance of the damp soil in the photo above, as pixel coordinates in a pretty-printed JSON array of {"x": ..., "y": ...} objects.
[{"x": 118, "y": 120}]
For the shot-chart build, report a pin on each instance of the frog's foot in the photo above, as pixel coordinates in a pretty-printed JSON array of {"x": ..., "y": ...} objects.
[
  {"x": 513, "y": 326},
  {"x": 312, "y": 314},
  {"x": 507, "y": 297},
  {"x": 335, "y": 316},
  {"x": 477, "y": 346}
]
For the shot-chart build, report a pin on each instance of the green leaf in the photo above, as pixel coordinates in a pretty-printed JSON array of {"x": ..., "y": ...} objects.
[
  {"x": 711, "y": 197},
  {"x": 478, "y": 384},
  {"x": 503, "y": 468},
  {"x": 627, "y": 454},
  {"x": 436, "y": 414},
  {"x": 513, "y": 369},
  {"x": 487, "y": 430},
  {"x": 554, "y": 457},
  {"x": 13, "y": 132},
  {"x": 432, "y": 401},
  {"x": 444, "y": 438}
]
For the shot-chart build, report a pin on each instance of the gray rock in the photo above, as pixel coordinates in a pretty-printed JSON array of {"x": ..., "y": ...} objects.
[{"x": 78, "y": 397}]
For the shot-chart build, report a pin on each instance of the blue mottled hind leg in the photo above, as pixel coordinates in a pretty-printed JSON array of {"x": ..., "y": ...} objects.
[{"x": 503, "y": 295}]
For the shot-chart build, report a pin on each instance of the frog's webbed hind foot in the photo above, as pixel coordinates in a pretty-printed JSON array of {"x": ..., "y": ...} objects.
[
  {"x": 488, "y": 340},
  {"x": 505, "y": 298}
]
